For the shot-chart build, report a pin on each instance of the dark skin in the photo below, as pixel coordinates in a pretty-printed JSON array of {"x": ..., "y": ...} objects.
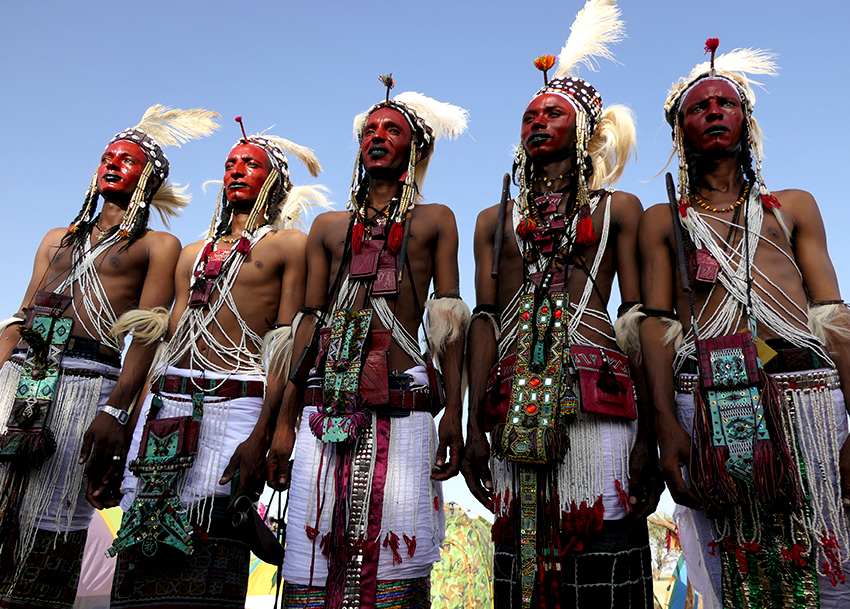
[
  {"x": 432, "y": 251},
  {"x": 138, "y": 277},
  {"x": 269, "y": 289},
  {"x": 707, "y": 111},
  {"x": 548, "y": 134}
]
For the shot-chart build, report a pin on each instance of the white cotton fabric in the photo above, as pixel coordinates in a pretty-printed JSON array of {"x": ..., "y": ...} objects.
[
  {"x": 408, "y": 499},
  {"x": 225, "y": 425},
  {"x": 55, "y": 499},
  {"x": 704, "y": 570}
]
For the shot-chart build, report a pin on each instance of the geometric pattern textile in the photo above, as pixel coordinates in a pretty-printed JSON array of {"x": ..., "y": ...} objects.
[{"x": 50, "y": 576}]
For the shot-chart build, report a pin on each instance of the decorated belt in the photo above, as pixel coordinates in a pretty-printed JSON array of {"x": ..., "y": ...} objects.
[
  {"x": 83, "y": 348},
  {"x": 815, "y": 379},
  {"x": 218, "y": 388},
  {"x": 399, "y": 399},
  {"x": 17, "y": 358}
]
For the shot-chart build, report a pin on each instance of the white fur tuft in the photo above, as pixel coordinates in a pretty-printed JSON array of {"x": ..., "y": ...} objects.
[
  {"x": 829, "y": 321},
  {"x": 148, "y": 326},
  {"x": 627, "y": 330}
]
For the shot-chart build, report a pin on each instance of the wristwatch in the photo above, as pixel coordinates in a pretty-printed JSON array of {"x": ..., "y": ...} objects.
[{"x": 122, "y": 416}]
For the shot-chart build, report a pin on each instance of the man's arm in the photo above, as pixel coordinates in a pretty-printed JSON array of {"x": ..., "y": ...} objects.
[
  {"x": 658, "y": 281},
  {"x": 645, "y": 486},
  {"x": 10, "y": 336},
  {"x": 105, "y": 438},
  {"x": 821, "y": 283},
  {"x": 318, "y": 277},
  {"x": 483, "y": 353},
  {"x": 447, "y": 281},
  {"x": 250, "y": 456}
]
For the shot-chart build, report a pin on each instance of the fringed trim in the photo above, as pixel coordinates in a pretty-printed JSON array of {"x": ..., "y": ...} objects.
[
  {"x": 447, "y": 321},
  {"x": 277, "y": 348},
  {"x": 627, "y": 330},
  {"x": 9, "y": 322},
  {"x": 829, "y": 321},
  {"x": 675, "y": 334},
  {"x": 148, "y": 326}
]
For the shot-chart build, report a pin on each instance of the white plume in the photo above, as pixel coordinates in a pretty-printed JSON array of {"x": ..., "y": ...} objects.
[
  {"x": 299, "y": 199},
  {"x": 174, "y": 127},
  {"x": 447, "y": 120},
  {"x": 302, "y": 153},
  {"x": 596, "y": 26},
  {"x": 170, "y": 200}
]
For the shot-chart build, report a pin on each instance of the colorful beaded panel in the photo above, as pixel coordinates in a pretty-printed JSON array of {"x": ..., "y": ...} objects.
[
  {"x": 538, "y": 400},
  {"x": 342, "y": 373}
]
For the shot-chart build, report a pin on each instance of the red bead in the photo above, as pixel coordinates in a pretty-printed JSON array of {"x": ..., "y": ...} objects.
[
  {"x": 534, "y": 382},
  {"x": 558, "y": 313},
  {"x": 531, "y": 408}
]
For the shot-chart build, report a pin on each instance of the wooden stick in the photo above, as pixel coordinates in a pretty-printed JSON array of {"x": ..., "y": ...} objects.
[
  {"x": 677, "y": 235},
  {"x": 500, "y": 226}
]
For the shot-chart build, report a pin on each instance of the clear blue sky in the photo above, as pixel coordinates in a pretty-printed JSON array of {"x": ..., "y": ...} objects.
[{"x": 75, "y": 73}]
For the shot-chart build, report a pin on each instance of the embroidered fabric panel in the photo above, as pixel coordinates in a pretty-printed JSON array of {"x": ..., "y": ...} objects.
[
  {"x": 342, "y": 374},
  {"x": 737, "y": 421}
]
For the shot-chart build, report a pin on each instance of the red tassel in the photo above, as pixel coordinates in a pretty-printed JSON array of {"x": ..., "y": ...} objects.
[
  {"x": 395, "y": 237},
  {"x": 711, "y": 45},
  {"x": 623, "y": 496},
  {"x": 243, "y": 246},
  {"x": 436, "y": 505},
  {"x": 391, "y": 540},
  {"x": 770, "y": 202},
  {"x": 411, "y": 545},
  {"x": 312, "y": 532},
  {"x": 586, "y": 234},
  {"x": 357, "y": 237},
  {"x": 208, "y": 248},
  {"x": 526, "y": 227},
  {"x": 683, "y": 208}
]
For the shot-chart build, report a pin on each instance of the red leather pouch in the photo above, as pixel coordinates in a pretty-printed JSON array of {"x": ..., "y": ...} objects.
[
  {"x": 364, "y": 264},
  {"x": 374, "y": 372},
  {"x": 606, "y": 385}
]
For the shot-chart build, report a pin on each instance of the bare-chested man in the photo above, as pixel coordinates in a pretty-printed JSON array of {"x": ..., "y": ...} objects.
[
  {"x": 238, "y": 292},
  {"x": 365, "y": 485},
  {"x": 66, "y": 382},
  {"x": 766, "y": 441},
  {"x": 570, "y": 490}
]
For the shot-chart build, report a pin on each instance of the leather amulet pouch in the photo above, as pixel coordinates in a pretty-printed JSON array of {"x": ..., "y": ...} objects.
[
  {"x": 703, "y": 267},
  {"x": 606, "y": 385},
  {"x": 728, "y": 361},
  {"x": 364, "y": 264},
  {"x": 374, "y": 375}
]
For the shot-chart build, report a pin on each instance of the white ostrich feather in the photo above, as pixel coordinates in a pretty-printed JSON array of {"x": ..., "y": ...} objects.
[
  {"x": 174, "y": 127},
  {"x": 302, "y": 153},
  {"x": 446, "y": 120},
  {"x": 170, "y": 200},
  {"x": 596, "y": 26},
  {"x": 299, "y": 199}
]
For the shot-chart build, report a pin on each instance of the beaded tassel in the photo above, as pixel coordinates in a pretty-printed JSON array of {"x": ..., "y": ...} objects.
[
  {"x": 137, "y": 202},
  {"x": 89, "y": 206}
]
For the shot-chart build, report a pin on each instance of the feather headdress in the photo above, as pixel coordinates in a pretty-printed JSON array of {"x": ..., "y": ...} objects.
[
  {"x": 734, "y": 66},
  {"x": 731, "y": 67},
  {"x": 160, "y": 126},
  {"x": 279, "y": 203},
  {"x": 604, "y": 139}
]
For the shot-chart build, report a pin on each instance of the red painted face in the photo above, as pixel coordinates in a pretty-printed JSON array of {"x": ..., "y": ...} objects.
[
  {"x": 712, "y": 117},
  {"x": 120, "y": 168},
  {"x": 385, "y": 148},
  {"x": 245, "y": 172},
  {"x": 549, "y": 128}
]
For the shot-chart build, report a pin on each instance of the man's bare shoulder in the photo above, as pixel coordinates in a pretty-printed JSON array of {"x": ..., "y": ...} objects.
[
  {"x": 55, "y": 235},
  {"x": 327, "y": 219},
  {"x": 625, "y": 200},
  {"x": 794, "y": 199},
  {"x": 656, "y": 222},
  {"x": 160, "y": 239},
  {"x": 287, "y": 239},
  {"x": 436, "y": 211},
  {"x": 192, "y": 249}
]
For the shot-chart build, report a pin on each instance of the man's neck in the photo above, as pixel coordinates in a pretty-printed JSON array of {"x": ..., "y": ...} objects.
[
  {"x": 239, "y": 220},
  {"x": 381, "y": 192},
  {"x": 553, "y": 176},
  {"x": 111, "y": 215},
  {"x": 718, "y": 175}
]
